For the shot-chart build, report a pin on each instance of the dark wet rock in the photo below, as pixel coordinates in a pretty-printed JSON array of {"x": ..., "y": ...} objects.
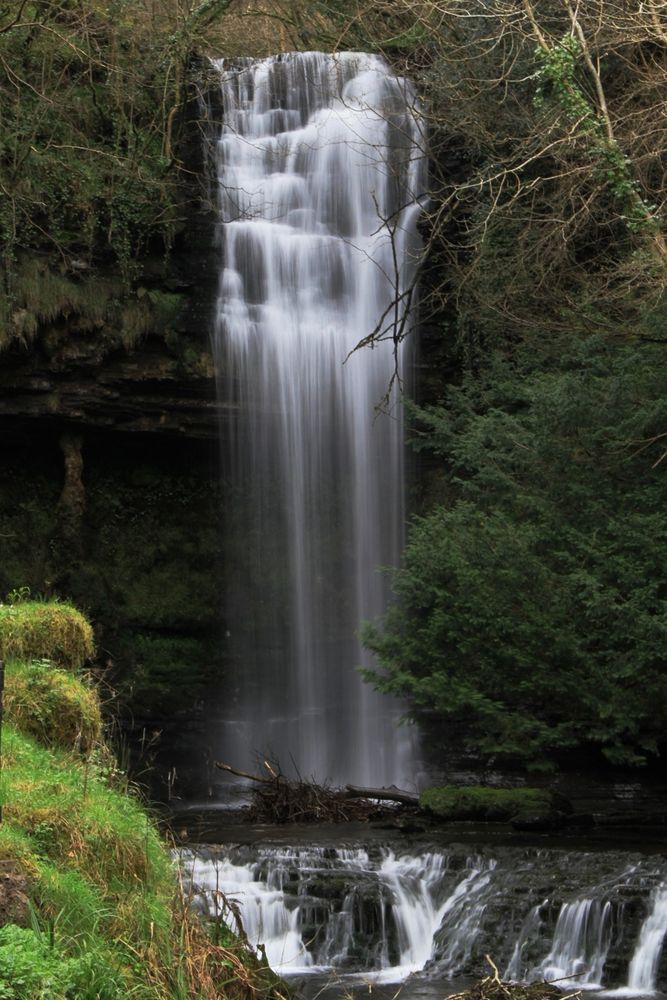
[{"x": 540, "y": 822}]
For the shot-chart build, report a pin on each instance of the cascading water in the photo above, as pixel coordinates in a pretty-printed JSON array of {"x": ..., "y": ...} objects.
[
  {"x": 587, "y": 920},
  {"x": 580, "y": 944},
  {"x": 320, "y": 175},
  {"x": 644, "y": 965}
]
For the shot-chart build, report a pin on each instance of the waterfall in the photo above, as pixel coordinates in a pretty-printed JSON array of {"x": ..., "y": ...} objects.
[
  {"x": 386, "y": 912},
  {"x": 644, "y": 965},
  {"x": 580, "y": 944},
  {"x": 319, "y": 177}
]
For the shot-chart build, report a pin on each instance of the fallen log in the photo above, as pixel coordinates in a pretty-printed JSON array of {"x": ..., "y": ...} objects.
[{"x": 391, "y": 794}]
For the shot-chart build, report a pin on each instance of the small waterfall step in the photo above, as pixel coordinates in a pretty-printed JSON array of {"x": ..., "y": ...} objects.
[{"x": 591, "y": 920}]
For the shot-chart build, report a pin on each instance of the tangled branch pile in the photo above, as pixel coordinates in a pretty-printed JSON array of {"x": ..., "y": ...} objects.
[
  {"x": 493, "y": 988},
  {"x": 278, "y": 799}
]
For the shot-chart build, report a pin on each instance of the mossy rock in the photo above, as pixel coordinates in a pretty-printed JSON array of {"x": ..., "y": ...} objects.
[
  {"x": 53, "y": 706},
  {"x": 476, "y": 802},
  {"x": 51, "y": 630}
]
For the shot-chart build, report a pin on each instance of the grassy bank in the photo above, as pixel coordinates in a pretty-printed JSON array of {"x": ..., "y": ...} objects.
[{"x": 90, "y": 903}]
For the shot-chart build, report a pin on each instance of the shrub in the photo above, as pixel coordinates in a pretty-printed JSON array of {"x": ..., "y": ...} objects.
[{"x": 531, "y": 611}]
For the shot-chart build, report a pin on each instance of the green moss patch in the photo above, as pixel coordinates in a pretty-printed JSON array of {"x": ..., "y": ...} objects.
[
  {"x": 53, "y": 706},
  {"x": 487, "y": 804},
  {"x": 53, "y": 630}
]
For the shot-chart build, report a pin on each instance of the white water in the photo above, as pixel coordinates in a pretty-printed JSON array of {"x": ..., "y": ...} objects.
[
  {"x": 580, "y": 945},
  {"x": 396, "y": 904},
  {"x": 644, "y": 964},
  {"x": 386, "y": 914},
  {"x": 319, "y": 175}
]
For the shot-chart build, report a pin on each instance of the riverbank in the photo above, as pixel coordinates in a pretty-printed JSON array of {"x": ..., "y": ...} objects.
[{"x": 91, "y": 903}]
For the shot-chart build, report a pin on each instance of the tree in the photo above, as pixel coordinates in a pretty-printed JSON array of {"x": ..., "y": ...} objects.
[
  {"x": 547, "y": 131},
  {"x": 531, "y": 603}
]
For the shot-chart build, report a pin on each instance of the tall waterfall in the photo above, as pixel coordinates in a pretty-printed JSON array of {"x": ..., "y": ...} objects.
[{"x": 319, "y": 175}]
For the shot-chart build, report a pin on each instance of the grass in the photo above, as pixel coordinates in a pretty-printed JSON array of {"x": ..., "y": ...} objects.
[
  {"x": 53, "y": 705},
  {"x": 52, "y": 630},
  {"x": 100, "y": 914}
]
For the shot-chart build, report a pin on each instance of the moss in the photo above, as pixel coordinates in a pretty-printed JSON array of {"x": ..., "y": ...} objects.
[
  {"x": 28, "y": 504},
  {"x": 156, "y": 537},
  {"x": 35, "y": 630},
  {"x": 41, "y": 298},
  {"x": 155, "y": 312},
  {"x": 486, "y": 804},
  {"x": 53, "y": 706}
]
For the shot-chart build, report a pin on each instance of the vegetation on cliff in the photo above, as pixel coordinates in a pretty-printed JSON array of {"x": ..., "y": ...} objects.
[
  {"x": 90, "y": 904},
  {"x": 94, "y": 99},
  {"x": 546, "y": 139},
  {"x": 530, "y": 606}
]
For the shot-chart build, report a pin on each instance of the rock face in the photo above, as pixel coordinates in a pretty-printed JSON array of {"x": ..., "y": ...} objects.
[
  {"x": 146, "y": 367},
  {"x": 150, "y": 389},
  {"x": 109, "y": 475}
]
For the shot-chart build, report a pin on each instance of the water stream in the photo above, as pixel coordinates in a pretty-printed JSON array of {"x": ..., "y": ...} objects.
[
  {"x": 382, "y": 913},
  {"x": 319, "y": 175}
]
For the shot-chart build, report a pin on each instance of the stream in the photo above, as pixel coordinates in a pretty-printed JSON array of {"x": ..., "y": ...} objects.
[{"x": 382, "y": 914}]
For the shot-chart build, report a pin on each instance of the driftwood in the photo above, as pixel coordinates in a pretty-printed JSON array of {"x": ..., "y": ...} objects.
[
  {"x": 493, "y": 988},
  {"x": 391, "y": 794},
  {"x": 277, "y": 799}
]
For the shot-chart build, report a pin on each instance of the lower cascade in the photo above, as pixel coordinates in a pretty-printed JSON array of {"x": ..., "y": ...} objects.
[
  {"x": 584, "y": 920},
  {"x": 319, "y": 177}
]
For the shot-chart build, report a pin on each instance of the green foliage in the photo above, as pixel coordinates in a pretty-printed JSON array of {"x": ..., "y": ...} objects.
[
  {"x": 486, "y": 804},
  {"x": 560, "y": 75},
  {"x": 93, "y": 101},
  {"x": 83, "y": 164},
  {"x": 32, "y": 969},
  {"x": 530, "y": 602},
  {"x": 53, "y": 630}
]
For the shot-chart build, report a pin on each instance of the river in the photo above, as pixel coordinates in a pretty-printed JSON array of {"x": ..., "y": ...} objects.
[{"x": 354, "y": 909}]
